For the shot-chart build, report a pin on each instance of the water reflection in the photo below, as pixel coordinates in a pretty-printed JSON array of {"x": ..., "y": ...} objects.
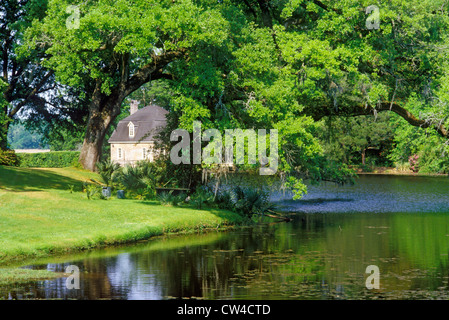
[{"x": 317, "y": 256}]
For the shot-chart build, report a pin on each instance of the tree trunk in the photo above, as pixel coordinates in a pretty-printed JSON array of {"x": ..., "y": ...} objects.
[
  {"x": 91, "y": 151},
  {"x": 4, "y": 135},
  {"x": 97, "y": 127},
  {"x": 363, "y": 156}
]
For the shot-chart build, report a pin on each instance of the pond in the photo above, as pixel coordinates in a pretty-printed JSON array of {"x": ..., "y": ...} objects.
[{"x": 398, "y": 223}]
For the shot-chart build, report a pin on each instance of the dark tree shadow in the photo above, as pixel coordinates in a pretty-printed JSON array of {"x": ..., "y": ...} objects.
[{"x": 24, "y": 179}]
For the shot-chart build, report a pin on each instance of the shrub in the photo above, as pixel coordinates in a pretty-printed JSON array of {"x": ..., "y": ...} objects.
[
  {"x": 138, "y": 179},
  {"x": 251, "y": 201},
  {"x": 107, "y": 171},
  {"x": 147, "y": 193},
  {"x": 224, "y": 200},
  {"x": 167, "y": 198},
  {"x": 8, "y": 158},
  {"x": 91, "y": 190},
  {"x": 402, "y": 166},
  {"x": 54, "y": 159},
  {"x": 201, "y": 197}
]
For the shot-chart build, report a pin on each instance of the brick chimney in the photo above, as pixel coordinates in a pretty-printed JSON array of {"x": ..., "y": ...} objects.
[{"x": 133, "y": 107}]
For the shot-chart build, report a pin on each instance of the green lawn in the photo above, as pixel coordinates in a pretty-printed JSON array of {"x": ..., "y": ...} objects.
[{"x": 40, "y": 217}]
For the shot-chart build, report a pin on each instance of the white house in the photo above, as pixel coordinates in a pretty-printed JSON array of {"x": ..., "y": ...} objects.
[{"x": 134, "y": 138}]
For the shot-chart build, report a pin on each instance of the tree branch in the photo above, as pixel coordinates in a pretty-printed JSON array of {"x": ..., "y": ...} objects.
[
  {"x": 325, "y": 7},
  {"x": 388, "y": 106},
  {"x": 155, "y": 67},
  {"x": 30, "y": 94}
]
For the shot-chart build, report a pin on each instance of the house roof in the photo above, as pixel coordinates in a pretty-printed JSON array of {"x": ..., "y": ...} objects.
[{"x": 147, "y": 123}]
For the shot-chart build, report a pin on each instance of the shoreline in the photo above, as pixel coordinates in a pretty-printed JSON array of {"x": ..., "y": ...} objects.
[{"x": 395, "y": 172}]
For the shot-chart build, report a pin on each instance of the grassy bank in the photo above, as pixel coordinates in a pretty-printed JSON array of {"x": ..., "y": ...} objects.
[{"x": 39, "y": 216}]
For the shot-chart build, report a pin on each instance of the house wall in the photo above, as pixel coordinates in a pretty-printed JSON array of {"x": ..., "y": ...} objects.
[{"x": 131, "y": 152}]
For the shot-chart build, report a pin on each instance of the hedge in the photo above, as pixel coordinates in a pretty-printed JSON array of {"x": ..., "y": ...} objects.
[{"x": 54, "y": 159}]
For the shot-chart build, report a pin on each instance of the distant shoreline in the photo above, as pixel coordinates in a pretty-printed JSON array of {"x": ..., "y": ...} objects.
[{"x": 394, "y": 171}]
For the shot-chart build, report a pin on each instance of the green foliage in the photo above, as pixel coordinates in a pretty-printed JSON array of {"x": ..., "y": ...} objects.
[
  {"x": 4, "y": 119},
  {"x": 146, "y": 193},
  {"x": 138, "y": 179},
  {"x": 426, "y": 143},
  {"x": 297, "y": 186},
  {"x": 63, "y": 139},
  {"x": 155, "y": 92},
  {"x": 168, "y": 198},
  {"x": 71, "y": 188},
  {"x": 107, "y": 171},
  {"x": 352, "y": 140},
  {"x": 55, "y": 159},
  {"x": 201, "y": 197},
  {"x": 19, "y": 137},
  {"x": 165, "y": 198},
  {"x": 179, "y": 199},
  {"x": 249, "y": 201},
  {"x": 9, "y": 158},
  {"x": 224, "y": 200},
  {"x": 91, "y": 190},
  {"x": 246, "y": 201}
]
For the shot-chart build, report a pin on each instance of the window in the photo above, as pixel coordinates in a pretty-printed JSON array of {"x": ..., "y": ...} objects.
[
  {"x": 119, "y": 153},
  {"x": 131, "y": 129},
  {"x": 144, "y": 151}
]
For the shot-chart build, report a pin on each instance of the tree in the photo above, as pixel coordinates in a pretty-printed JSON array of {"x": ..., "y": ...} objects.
[
  {"x": 348, "y": 139},
  {"x": 25, "y": 79},
  {"x": 21, "y": 138},
  {"x": 343, "y": 68}
]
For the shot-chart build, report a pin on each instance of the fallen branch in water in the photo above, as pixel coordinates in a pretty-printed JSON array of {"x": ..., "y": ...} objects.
[{"x": 278, "y": 216}]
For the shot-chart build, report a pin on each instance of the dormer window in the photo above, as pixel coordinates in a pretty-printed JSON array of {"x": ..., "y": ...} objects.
[{"x": 131, "y": 130}]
